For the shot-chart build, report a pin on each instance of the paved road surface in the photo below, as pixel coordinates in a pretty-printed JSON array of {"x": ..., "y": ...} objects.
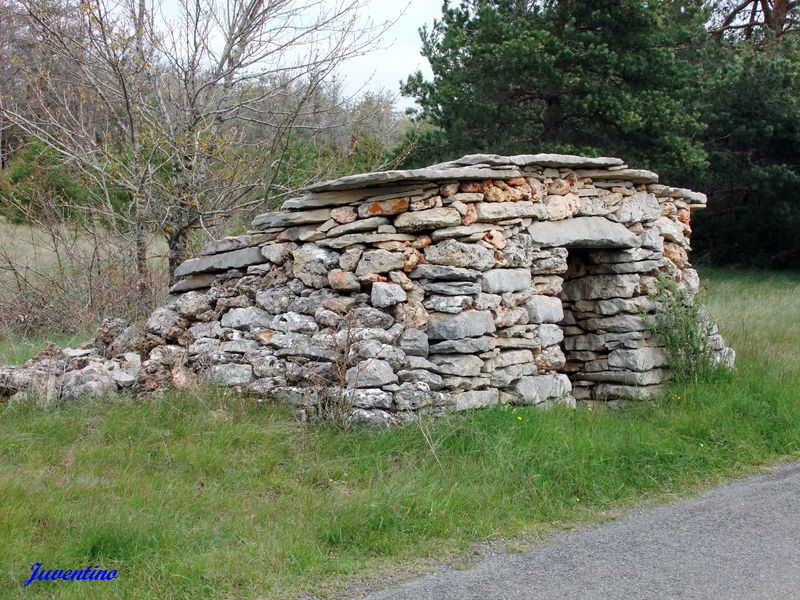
[{"x": 738, "y": 542}]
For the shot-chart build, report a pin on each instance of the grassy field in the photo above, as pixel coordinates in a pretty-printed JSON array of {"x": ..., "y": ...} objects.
[{"x": 218, "y": 497}]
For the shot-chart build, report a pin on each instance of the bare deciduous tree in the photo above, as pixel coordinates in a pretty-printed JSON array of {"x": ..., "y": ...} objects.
[
  {"x": 189, "y": 110},
  {"x": 747, "y": 18}
]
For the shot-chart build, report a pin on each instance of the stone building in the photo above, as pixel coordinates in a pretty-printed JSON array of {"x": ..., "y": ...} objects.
[{"x": 488, "y": 279}]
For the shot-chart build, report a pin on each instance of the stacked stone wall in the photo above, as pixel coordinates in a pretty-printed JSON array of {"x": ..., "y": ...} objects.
[{"x": 481, "y": 281}]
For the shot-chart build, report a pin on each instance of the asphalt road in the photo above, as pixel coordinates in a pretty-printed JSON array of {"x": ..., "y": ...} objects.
[{"x": 738, "y": 542}]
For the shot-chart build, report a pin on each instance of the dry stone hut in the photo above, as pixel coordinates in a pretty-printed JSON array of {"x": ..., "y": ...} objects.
[{"x": 488, "y": 279}]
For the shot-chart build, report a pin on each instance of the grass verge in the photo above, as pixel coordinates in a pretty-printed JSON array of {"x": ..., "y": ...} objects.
[
  {"x": 218, "y": 497},
  {"x": 15, "y": 350}
]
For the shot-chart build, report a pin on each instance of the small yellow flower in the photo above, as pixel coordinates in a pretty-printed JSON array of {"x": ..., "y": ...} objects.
[
  {"x": 701, "y": 445},
  {"x": 519, "y": 418},
  {"x": 577, "y": 499}
]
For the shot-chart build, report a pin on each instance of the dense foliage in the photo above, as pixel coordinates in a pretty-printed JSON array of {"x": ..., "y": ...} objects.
[
  {"x": 752, "y": 111},
  {"x": 657, "y": 83},
  {"x": 597, "y": 78}
]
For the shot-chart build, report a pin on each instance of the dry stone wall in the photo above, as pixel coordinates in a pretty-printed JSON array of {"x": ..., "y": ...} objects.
[{"x": 484, "y": 280}]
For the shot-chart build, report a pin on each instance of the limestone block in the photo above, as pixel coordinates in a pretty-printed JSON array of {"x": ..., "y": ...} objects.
[
  {"x": 447, "y": 304},
  {"x": 453, "y": 253},
  {"x": 600, "y": 287},
  {"x": 475, "y": 399},
  {"x": 583, "y": 232},
  {"x": 444, "y": 273},
  {"x": 221, "y": 262},
  {"x": 638, "y": 207},
  {"x": 541, "y": 388},
  {"x": 428, "y": 219},
  {"x": 464, "y": 346},
  {"x": 371, "y": 373},
  {"x": 379, "y": 261},
  {"x": 387, "y": 294},
  {"x": 464, "y": 365},
  {"x": 463, "y": 325},
  {"x": 640, "y": 359},
  {"x": 499, "y": 281},
  {"x": 544, "y": 309},
  {"x": 311, "y": 264},
  {"x": 246, "y": 318},
  {"x": 231, "y": 374}
]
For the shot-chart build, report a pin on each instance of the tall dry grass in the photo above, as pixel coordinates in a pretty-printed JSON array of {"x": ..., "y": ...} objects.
[{"x": 66, "y": 278}]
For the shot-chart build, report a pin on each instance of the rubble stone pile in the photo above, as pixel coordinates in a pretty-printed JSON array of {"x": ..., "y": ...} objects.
[{"x": 485, "y": 280}]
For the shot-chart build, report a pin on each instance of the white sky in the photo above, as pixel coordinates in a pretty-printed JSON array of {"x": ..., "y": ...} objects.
[{"x": 400, "y": 54}]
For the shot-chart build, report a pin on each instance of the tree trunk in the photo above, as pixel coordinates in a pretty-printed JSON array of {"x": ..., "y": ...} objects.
[
  {"x": 178, "y": 243},
  {"x": 142, "y": 275},
  {"x": 553, "y": 120}
]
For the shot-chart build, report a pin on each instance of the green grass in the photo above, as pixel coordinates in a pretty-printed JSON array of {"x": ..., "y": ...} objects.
[
  {"x": 218, "y": 497},
  {"x": 15, "y": 350}
]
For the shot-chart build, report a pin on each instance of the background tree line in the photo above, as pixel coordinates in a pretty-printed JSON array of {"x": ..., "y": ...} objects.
[{"x": 705, "y": 93}]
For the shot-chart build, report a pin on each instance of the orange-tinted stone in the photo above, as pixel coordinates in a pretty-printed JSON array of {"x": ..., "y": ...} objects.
[{"x": 381, "y": 208}]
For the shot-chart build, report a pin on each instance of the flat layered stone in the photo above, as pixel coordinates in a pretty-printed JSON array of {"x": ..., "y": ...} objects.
[
  {"x": 379, "y": 261},
  {"x": 387, "y": 294},
  {"x": 583, "y": 232},
  {"x": 541, "y": 388},
  {"x": 372, "y": 398},
  {"x": 221, "y": 262},
  {"x": 194, "y": 282},
  {"x": 500, "y": 281},
  {"x": 651, "y": 377},
  {"x": 462, "y": 231},
  {"x": 508, "y": 358},
  {"x": 312, "y": 264},
  {"x": 432, "y": 218},
  {"x": 600, "y": 287},
  {"x": 638, "y": 207},
  {"x": 433, "y": 380},
  {"x": 290, "y": 219},
  {"x": 372, "y": 373},
  {"x": 230, "y": 244},
  {"x": 414, "y": 342},
  {"x": 352, "y": 239},
  {"x": 621, "y": 323},
  {"x": 475, "y": 399},
  {"x": 453, "y": 253},
  {"x": 452, "y": 288},
  {"x": 544, "y": 309},
  {"x": 427, "y": 174},
  {"x": 246, "y": 318},
  {"x": 463, "y": 365},
  {"x": 231, "y": 374},
  {"x": 465, "y": 346},
  {"x": 538, "y": 160},
  {"x": 632, "y": 175},
  {"x": 444, "y": 273},
  {"x": 369, "y": 224},
  {"x": 501, "y": 211},
  {"x": 325, "y": 199},
  {"x": 471, "y": 323},
  {"x": 640, "y": 359},
  {"x": 695, "y": 198},
  {"x": 390, "y": 206},
  {"x": 448, "y": 304}
]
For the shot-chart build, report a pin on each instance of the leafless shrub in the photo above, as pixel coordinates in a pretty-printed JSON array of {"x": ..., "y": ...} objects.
[{"x": 65, "y": 277}]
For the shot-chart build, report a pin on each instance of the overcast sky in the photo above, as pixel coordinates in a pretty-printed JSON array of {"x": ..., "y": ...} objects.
[{"x": 400, "y": 56}]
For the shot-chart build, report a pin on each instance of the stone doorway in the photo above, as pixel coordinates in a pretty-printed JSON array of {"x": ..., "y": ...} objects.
[{"x": 610, "y": 353}]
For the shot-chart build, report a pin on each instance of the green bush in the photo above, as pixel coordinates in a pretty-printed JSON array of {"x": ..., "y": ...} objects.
[{"x": 682, "y": 325}]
